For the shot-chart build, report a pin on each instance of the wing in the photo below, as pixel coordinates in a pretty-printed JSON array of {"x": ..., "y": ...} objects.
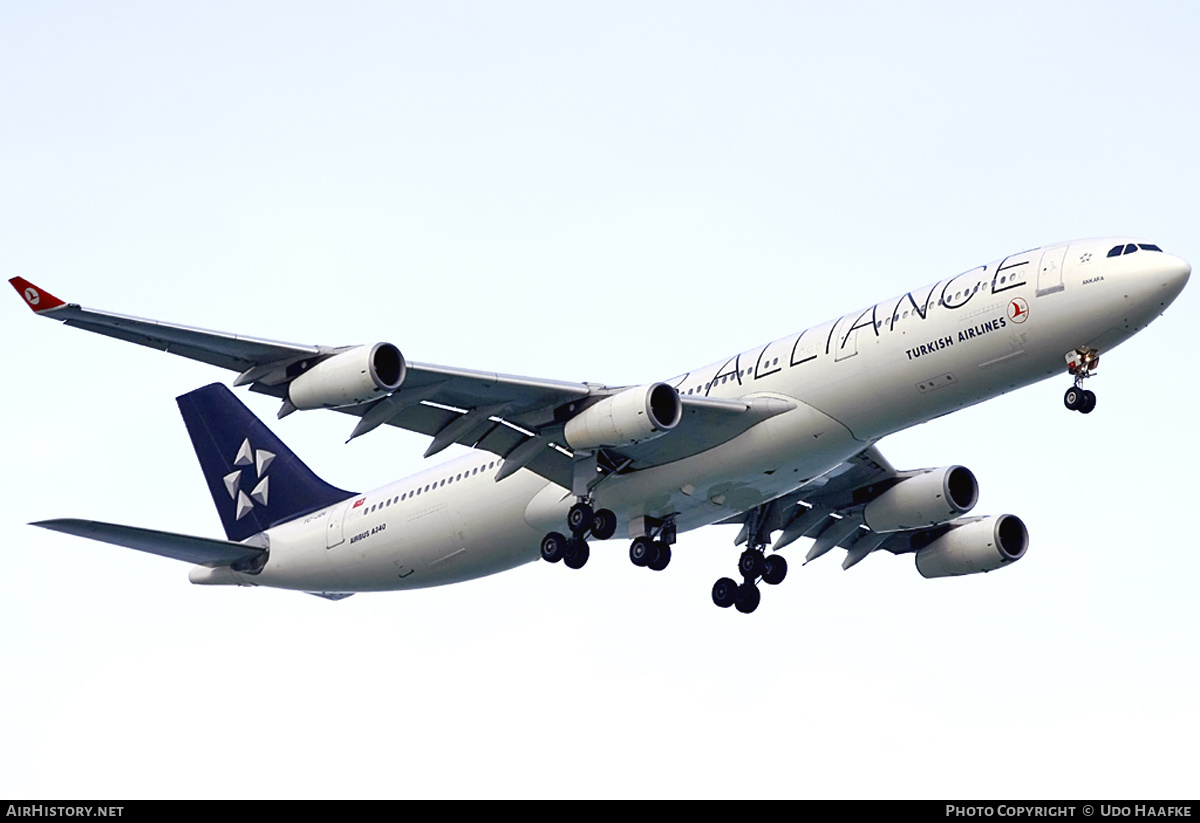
[
  {"x": 865, "y": 504},
  {"x": 521, "y": 419}
]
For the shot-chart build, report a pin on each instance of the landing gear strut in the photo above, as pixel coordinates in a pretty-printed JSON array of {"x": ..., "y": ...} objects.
[
  {"x": 582, "y": 517},
  {"x": 754, "y": 565},
  {"x": 1081, "y": 363}
]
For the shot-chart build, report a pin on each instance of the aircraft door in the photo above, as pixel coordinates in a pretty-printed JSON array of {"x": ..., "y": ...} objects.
[
  {"x": 1050, "y": 275},
  {"x": 844, "y": 339},
  {"x": 335, "y": 533}
]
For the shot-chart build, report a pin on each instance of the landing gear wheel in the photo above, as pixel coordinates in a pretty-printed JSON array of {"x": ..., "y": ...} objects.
[
  {"x": 664, "y": 557},
  {"x": 604, "y": 524},
  {"x": 1073, "y": 399},
  {"x": 577, "y": 553},
  {"x": 554, "y": 547},
  {"x": 724, "y": 592},
  {"x": 751, "y": 564},
  {"x": 774, "y": 570},
  {"x": 641, "y": 551},
  {"x": 579, "y": 518},
  {"x": 748, "y": 598},
  {"x": 1088, "y": 403}
]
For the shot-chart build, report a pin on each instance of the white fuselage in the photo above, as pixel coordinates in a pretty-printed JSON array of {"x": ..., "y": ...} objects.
[{"x": 853, "y": 380}]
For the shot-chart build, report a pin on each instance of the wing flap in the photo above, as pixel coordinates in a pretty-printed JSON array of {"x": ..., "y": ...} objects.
[{"x": 202, "y": 551}]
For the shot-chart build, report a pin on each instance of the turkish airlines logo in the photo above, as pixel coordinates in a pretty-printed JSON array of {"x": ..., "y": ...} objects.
[
  {"x": 32, "y": 297},
  {"x": 1018, "y": 310},
  {"x": 261, "y": 460}
]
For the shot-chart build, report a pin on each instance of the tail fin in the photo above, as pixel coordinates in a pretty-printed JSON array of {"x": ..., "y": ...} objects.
[{"x": 256, "y": 482}]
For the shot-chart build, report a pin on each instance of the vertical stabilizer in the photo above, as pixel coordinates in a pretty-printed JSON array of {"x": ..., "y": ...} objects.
[{"x": 255, "y": 480}]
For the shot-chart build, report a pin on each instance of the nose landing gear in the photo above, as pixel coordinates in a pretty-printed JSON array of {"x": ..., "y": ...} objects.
[{"x": 1081, "y": 363}]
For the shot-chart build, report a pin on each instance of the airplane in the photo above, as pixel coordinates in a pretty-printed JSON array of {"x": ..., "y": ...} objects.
[{"x": 780, "y": 438}]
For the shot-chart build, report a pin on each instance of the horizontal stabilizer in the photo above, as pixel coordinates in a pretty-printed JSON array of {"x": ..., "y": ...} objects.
[{"x": 200, "y": 550}]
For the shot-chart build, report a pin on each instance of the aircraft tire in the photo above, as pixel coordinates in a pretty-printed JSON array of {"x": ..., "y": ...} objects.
[
  {"x": 1073, "y": 399},
  {"x": 664, "y": 557},
  {"x": 1088, "y": 403},
  {"x": 748, "y": 598},
  {"x": 579, "y": 518},
  {"x": 750, "y": 564},
  {"x": 724, "y": 592},
  {"x": 577, "y": 553},
  {"x": 554, "y": 547},
  {"x": 641, "y": 551},
  {"x": 604, "y": 524},
  {"x": 774, "y": 570}
]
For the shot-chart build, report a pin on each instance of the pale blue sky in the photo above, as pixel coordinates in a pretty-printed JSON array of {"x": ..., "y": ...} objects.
[{"x": 612, "y": 192}]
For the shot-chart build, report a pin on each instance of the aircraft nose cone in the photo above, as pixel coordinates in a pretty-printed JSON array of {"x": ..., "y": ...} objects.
[
  {"x": 1177, "y": 272},
  {"x": 1185, "y": 271}
]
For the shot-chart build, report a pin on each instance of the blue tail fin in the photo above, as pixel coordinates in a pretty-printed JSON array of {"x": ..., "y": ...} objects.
[{"x": 256, "y": 482}]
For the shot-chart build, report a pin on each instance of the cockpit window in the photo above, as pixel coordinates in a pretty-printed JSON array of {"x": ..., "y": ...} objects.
[{"x": 1130, "y": 248}]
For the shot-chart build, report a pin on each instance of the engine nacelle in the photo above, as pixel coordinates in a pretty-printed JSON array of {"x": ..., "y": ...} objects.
[
  {"x": 632, "y": 416},
  {"x": 355, "y": 376},
  {"x": 979, "y": 546},
  {"x": 931, "y": 498}
]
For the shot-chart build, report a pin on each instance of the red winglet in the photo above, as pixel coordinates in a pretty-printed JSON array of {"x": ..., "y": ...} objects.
[{"x": 38, "y": 299}]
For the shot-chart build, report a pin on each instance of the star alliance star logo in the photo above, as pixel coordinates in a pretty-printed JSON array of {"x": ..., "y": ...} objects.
[{"x": 247, "y": 456}]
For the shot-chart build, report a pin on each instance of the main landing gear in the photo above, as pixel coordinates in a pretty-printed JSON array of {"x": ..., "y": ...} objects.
[
  {"x": 754, "y": 565},
  {"x": 1081, "y": 363},
  {"x": 653, "y": 549},
  {"x": 582, "y": 519}
]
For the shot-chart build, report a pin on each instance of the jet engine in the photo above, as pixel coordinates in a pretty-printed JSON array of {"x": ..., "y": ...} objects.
[
  {"x": 979, "y": 546},
  {"x": 633, "y": 416},
  {"x": 351, "y": 377},
  {"x": 933, "y": 497}
]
